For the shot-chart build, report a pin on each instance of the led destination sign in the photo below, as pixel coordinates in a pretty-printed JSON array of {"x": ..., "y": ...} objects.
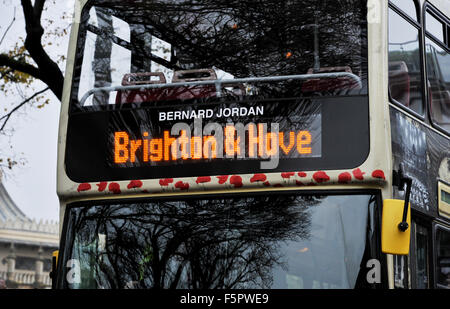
[
  {"x": 192, "y": 135},
  {"x": 259, "y": 144}
]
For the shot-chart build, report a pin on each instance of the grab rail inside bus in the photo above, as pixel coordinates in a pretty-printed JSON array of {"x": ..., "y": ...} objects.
[{"x": 219, "y": 82}]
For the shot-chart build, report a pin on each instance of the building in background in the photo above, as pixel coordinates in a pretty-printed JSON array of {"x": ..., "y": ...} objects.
[{"x": 26, "y": 246}]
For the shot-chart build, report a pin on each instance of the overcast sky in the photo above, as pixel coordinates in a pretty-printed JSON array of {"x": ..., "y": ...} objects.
[{"x": 33, "y": 185}]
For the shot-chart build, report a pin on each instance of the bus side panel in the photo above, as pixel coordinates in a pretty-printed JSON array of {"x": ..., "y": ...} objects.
[{"x": 425, "y": 157}]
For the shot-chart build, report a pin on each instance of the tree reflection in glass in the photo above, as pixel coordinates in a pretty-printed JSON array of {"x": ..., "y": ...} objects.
[
  {"x": 237, "y": 39},
  {"x": 242, "y": 242}
]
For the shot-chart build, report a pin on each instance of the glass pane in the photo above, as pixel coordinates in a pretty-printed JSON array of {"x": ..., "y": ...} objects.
[
  {"x": 171, "y": 42},
  {"x": 406, "y": 6},
  {"x": 443, "y": 258},
  {"x": 400, "y": 273},
  {"x": 422, "y": 276},
  {"x": 445, "y": 197},
  {"x": 434, "y": 26},
  {"x": 405, "y": 82},
  {"x": 102, "y": 67},
  {"x": 274, "y": 241},
  {"x": 438, "y": 71}
]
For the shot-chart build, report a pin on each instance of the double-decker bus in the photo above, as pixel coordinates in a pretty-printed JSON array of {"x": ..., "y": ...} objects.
[{"x": 255, "y": 144}]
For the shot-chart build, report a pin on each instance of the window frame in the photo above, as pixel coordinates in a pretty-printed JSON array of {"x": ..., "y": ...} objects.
[
  {"x": 429, "y": 8},
  {"x": 448, "y": 35},
  {"x": 418, "y": 17},
  {"x": 418, "y": 25}
]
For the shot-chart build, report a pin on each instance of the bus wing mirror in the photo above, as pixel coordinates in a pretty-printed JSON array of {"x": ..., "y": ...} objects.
[{"x": 395, "y": 235}]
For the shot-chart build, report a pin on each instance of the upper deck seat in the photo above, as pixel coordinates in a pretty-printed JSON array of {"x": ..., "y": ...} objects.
[
  {"x": 330, "y": 84},
  {"x": 192, "y": 92},
  {"x": 182, "y": 92},
  {"x": 139, "y": 96},
  {"x": 400, "y": 82}
]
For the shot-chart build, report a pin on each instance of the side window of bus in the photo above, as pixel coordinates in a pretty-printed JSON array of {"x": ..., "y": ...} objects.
[
  {"x": 400, "y": 271},
  {"x": 443, "y": 258},
  {"x": 438, "y": 72},
  {"x": 421, "y": 254},
  {"x": 405, "y": 77},
  {"x": 418, "y": 261},
  {"x": 407, "y": 6}
]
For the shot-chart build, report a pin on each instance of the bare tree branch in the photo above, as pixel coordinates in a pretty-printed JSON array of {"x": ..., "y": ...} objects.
[
  {"x": 9, "y": 27},
  {"x": 6, "y": 117},
  {"x": 49, "y": 70},
  {"x": 27, "y": 8},
  {"x": 20, "y": 66},
  {"x": 38, "y": 8}
]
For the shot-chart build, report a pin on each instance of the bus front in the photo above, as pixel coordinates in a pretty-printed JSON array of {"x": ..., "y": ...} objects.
[{"x": 222, "y": 144}]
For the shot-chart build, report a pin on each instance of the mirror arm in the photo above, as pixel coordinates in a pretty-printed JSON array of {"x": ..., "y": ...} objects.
[
  {"x": 403, "y": 226},
  {"x": 399, "y": 180}
]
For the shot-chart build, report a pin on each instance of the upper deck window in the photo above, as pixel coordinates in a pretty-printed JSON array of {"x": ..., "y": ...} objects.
[
  {"x": 405, "y": 73},
  {"x": 438, "y": 70},
  {"x": 435, "y": 27},
  {"x": 407, "y": 6},
  {"x": 146, "y": 42}
]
